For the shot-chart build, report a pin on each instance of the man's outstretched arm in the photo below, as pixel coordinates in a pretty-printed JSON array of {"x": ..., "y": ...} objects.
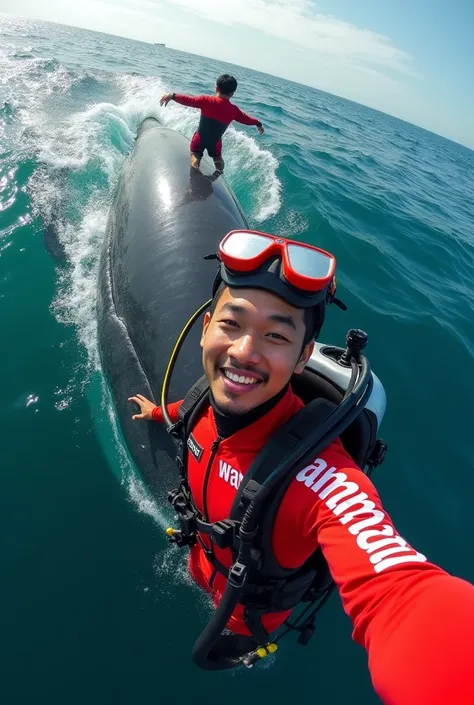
[{"x": 415, "y": 621}]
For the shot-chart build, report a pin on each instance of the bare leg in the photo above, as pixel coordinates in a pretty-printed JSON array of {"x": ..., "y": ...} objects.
[
  {"x": 219, "y": 163},
  {"x": 195, "y": 160}
]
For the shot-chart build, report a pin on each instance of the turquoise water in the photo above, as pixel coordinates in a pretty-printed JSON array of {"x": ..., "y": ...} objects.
[{"x": 94, "y": 606}]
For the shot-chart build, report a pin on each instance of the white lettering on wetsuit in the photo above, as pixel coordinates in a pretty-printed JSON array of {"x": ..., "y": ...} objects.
[
  {"x": 230, "y": 475},
  {"x": 384, "y": 547}
]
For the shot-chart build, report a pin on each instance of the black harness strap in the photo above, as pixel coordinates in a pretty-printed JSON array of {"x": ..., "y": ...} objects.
[
  {"x": 192, "y": 400},
  {"x": 277, "y": 447},
  {"x": 321, "y": 408},
  {"x": 187, "y": 412},
  {"x": 294, "y": 584}
]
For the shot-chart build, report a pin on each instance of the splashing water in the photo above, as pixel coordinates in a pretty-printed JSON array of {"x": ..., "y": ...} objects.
[{"x": 79, "y": 162}]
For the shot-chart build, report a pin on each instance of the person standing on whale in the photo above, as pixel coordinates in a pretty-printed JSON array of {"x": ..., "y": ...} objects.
[{"x": 217, "y": 112}]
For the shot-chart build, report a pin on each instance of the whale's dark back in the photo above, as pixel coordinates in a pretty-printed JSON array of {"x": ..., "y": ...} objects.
[{"x": 164, "y": 219}]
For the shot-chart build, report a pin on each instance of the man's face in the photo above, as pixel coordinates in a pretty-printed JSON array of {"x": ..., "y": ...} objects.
[{"x": 251, "y": 347}]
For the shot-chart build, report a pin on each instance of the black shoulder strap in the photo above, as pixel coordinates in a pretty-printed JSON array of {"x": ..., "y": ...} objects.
[
  {"x": 280, "y": 444},
  {"x": 187, "y": 412},
  {"x": 192, "y": 400},
  {"x": 284, "y": 440}
]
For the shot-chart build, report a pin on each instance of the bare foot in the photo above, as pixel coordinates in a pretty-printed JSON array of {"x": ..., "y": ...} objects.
[{"x": 195, "y": 161}]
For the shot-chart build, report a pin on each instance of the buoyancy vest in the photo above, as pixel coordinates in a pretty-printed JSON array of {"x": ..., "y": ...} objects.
[{"x": 269, "y": 587}]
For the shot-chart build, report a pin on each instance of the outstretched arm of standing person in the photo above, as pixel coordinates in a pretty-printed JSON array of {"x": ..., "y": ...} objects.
[
  {"x": 150, "y": 412},
  {"x": 415, "y": 621},
  {"x": 246, "y": 119},
  {"x": 187, "y": 100}
]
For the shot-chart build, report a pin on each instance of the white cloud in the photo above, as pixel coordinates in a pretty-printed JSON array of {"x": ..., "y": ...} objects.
[
  {"x": 286, "y": 38},
  {"x": 145, "y": 9},
  {"x": 294, "y": 21}
]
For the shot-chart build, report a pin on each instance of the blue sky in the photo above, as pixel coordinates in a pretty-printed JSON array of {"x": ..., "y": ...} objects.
[{"x": 410, "y": 58}]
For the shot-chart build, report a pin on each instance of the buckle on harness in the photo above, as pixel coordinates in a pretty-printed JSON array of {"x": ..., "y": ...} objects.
[
  {"x": 186, "y": 536},
  {"x": 306, "y": 634},
  {"x": 237, "y": 575},
  {"x": 250, "y": 490},
  {"x": 378, "y": 453},
  {"x": 223, "y": 533},
  {"x": 175, "y": 430}
]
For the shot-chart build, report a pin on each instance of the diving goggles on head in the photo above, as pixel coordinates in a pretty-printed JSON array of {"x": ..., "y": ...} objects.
[{"x": 305, "y": 267}]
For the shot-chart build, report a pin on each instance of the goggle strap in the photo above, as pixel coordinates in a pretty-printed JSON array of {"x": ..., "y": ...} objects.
[{"x": 338, "y": 302}]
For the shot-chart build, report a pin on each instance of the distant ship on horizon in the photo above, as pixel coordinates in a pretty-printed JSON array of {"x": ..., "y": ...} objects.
[{"x": 157, "y": 44}]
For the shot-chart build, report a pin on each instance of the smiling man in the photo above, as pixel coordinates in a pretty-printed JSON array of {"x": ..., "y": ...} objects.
[
  {"x": 415, "y": 620},
  {"x": 252, "y": 341}
]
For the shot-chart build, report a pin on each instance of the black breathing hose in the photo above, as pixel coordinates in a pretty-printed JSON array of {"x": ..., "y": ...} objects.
[{"x": 204, "y": 653}]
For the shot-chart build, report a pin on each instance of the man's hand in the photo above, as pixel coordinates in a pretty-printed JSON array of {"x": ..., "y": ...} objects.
[
  {"x": 260, "y": 129},
  {"x": 165, "y": 99},
  {"x": 146, "y": 407}
]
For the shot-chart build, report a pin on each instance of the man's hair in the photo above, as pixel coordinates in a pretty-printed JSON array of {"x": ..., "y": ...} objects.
[
  {"x": 226, "y": 84},
  {"x": 313, "y": 317}
]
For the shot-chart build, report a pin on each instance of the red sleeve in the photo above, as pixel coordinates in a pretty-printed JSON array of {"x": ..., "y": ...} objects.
[
  {"x": 415, "y": 620},
  {"x": 157, "y": 414},
  {"x": 245, "y": 119},
  {"x": 424, "y": 651},
  {"x": 189, "y": 100}
]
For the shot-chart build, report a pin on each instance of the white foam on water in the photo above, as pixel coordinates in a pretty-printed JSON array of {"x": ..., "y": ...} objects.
[
  {"x": 255, "y": 169},
  {"x": 27, "y": 85},
  {"x": 99, "y": 137},
  {"x": 75, "y": 303},
  {"x": 141, "y": 98},
  {"x": 143, "y": 502},
  {"x": 171, "y": 561},
  {"x": 292, "y": 224}
]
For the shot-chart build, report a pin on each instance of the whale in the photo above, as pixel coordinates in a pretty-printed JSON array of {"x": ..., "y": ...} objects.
[{"x": 164, "y": 219}]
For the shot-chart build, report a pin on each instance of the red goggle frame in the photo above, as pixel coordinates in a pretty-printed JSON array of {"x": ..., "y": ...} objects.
[{"x": 304, "y": 266}]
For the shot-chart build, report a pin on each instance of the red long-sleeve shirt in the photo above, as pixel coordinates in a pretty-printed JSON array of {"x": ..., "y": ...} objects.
[
  {"x": 415, "y": 620},
  {"x": 216, "y": 115}
]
